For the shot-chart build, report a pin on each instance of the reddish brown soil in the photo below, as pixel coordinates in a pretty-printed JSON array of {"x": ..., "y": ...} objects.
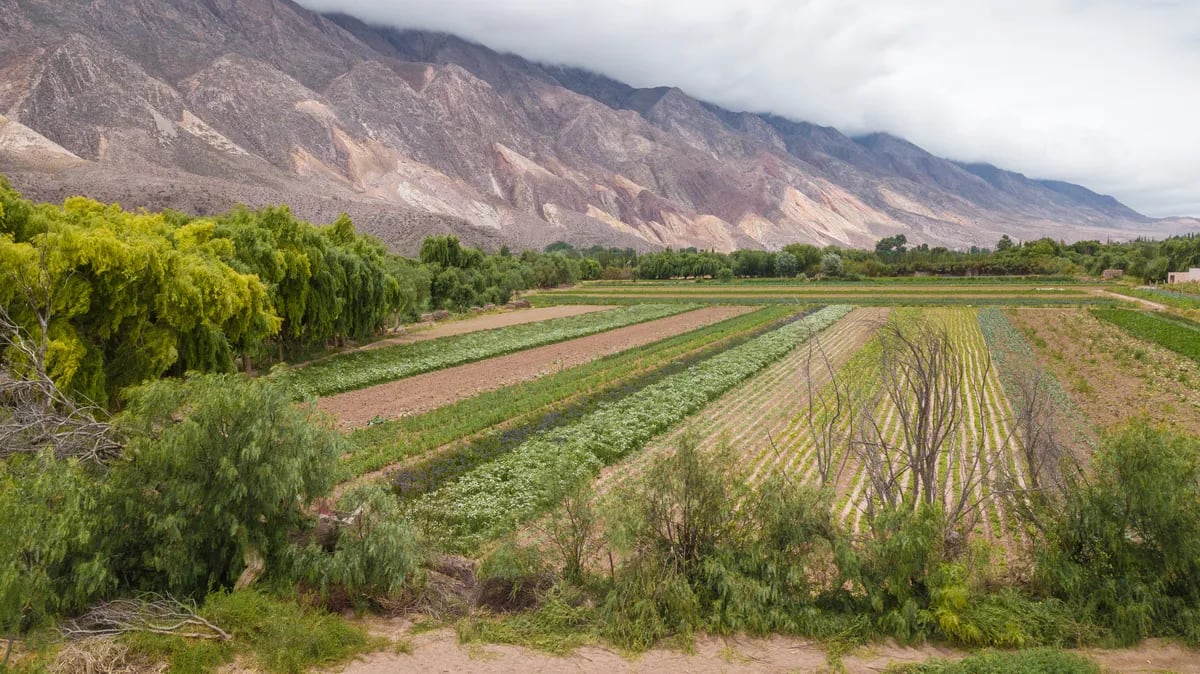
[
  {"x": 440, "y": 651},
  {"x": 1110, "y": 375},
  {"x": 424, "y": 331},
  {"x": 421, "y": 393}
]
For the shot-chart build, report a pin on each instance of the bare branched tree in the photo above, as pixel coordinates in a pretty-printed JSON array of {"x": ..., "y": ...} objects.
[
  {"x": 1048, "y": 463},
  {"x": 34, "y": 413},
  {"x": 829, "y": 410},
  {"x": 912, "y": 437}
]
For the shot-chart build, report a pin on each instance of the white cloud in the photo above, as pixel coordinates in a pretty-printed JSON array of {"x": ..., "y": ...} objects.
[{"x": 1105, "y": 93}]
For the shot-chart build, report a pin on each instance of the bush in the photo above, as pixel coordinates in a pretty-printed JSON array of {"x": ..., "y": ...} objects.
[
  {"x": 275, "y": 635},
  {"x": 512, "y": 577},
  {"x": 1125, "y": 551},
  {"x": 48, "y": 558},
  {"x": 374, "y": 555},
  {"x": 218, "y": 471},
  {"x": 693, "y": 567}
]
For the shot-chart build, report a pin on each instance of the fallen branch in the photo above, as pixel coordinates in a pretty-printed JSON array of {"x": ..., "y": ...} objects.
[{"x": 152, "y": 613}]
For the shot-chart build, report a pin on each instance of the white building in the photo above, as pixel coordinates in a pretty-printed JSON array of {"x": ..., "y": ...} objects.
[{"x": 1192, "y": 274}]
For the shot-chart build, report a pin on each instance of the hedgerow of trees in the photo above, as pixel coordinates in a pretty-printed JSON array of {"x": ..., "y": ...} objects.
[{"x": 132, "y": 297}]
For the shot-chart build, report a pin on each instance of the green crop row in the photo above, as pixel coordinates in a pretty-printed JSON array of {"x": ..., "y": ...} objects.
[
  {"x": 359, "y": 369},
  {"x": 1178, "y": 335},
  {"x": 528, "y": 402},
  {"x": 498, "y": 495}
]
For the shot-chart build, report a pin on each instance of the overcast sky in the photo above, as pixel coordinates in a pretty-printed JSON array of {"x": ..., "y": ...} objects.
[{"x": 1105, "y": 93}]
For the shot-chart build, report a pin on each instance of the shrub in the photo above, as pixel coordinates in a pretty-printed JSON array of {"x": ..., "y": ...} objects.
[
  {"x": 216, "y": 474},
  {"x": 48, "y": 558},
  {"x": 1125, "y": 550},
  {"x": 693, "y": 567},
  {"x": 375, "y": 552}
]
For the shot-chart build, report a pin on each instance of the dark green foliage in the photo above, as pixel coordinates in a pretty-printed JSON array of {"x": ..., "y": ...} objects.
[
  {"x": 693, "y": 567},
  {"x": 48, "y": 560},
  {"x": 217, "y": 467},
  {"x": 1035, "y": 661},
  {"x": 375, "y": 553},
  {"x": 1178, "y": 335},
  {"x": 1125, "y": 551}
]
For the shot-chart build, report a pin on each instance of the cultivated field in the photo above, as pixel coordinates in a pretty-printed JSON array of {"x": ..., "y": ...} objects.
[
  {"x": 486, "y": 435},
  {"x": 479, "y": 428}
]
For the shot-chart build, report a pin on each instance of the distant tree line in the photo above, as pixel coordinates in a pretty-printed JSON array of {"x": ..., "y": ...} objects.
[{"x": 892, "y": 256}]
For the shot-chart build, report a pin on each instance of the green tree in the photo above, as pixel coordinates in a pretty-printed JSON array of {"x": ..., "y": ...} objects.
[
  {"x": 217, "y": 472},
  {"x": 1125, "y": 548},
  {"x": 1005, "y": 243},
  {"x": 808, "y": 257},
  {"x": 831, "y": 265},
  {"x": 48, "y": 561},
  {"x": 786, "y": 265}
]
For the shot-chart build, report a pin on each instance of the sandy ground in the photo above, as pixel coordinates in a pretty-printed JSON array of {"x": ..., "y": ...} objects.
[
  {"x": 424, "y": 392},
  {"x": 486, "y": 322},
  {"x": 440, "y": 651},
  {"x": 1110, "y": 375}
]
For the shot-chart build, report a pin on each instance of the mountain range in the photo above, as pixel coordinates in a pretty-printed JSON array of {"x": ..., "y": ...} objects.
[{"x": 198, "y": 105}]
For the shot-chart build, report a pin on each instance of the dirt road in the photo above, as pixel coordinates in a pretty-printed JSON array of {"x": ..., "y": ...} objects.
[{"x": 440, "y": 651}]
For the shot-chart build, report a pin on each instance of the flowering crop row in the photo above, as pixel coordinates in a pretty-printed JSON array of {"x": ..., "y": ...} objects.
[
  {"x": 539, "y": 472},
  {"x": 360, "y": 369}
]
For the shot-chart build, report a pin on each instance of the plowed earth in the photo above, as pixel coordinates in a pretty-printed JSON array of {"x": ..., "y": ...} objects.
[
  {"x": 421, "y": 393},
  {"x": 487, "y": 322}
]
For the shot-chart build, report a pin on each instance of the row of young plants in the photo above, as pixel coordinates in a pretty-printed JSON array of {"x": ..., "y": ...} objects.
[
  {"x": 359, "y": 369},
  {"x": 533, "y": 476},
  {"x": 528, "y": 403},
  {"x": 870, "y": 282},
  {"x": 1177, "y": 334},
  {"x": 911, "y": 289},
  {"x": 426, "y": 475}
]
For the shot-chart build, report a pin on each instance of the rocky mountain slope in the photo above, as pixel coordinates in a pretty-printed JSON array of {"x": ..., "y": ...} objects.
[{"x": 201, "y": 104}]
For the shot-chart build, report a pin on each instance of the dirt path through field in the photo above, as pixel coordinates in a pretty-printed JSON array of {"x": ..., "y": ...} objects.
[
  {"x": 440, "y": 651},
  {"x": 1152, "y": 306},
  {"x": 488, "y": 322},
  {"x": 424, "y": 392}
]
